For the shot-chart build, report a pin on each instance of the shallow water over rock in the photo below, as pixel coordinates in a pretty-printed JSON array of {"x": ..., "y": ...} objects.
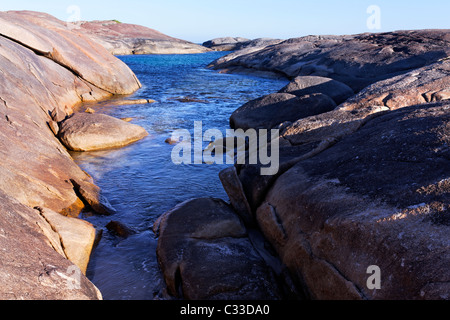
[{"x": 140, "y": 181}]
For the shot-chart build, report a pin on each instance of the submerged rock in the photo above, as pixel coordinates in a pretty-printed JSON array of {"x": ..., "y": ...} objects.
[
  {"x": 120, "y": 229},
  {"x": 131, "y": 102},
  {"x": 129, "y": 119},
  {"x": 89, "y": 132},
  {"x": 188, "y": 99}
]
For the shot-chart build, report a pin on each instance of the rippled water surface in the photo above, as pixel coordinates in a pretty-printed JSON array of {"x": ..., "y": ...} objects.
[{"x": 141, "y": 181}]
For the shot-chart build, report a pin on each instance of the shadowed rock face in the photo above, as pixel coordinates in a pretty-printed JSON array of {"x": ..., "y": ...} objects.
[
  {"x": 373, "y": 192},
  {"x": 205, "y": 253},
  {"x": 357, "y": 60},
  {"x": 45, "y": 69},
  {"x": 125, "y": 39}
]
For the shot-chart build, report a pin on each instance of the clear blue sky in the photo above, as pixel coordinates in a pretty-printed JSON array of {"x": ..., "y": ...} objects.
[{"x": 201, "y": 20}]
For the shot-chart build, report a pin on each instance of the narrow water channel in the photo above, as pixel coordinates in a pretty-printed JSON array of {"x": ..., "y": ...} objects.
[{"x": 141, "y": 181}]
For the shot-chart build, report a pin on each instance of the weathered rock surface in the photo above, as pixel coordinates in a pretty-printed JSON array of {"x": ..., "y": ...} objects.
[
  {"x": 356, "y": 60},
  {"x": 205, "y": 254},
  {"x": 428, "y": 84},
  {"x": 31, "y": 268},
  {"x": 77, "y": 236},
  {"x": 90, "y": 132},
  {"x": 70, "y": 49},
  {"x": 253, "y": 186},
  {"x": 378, "y": 197},
  {"x": 365, "y": 184},
  {"x": 304, "y": 85},
  {"x": 309, "y": 136},
  {"x": 126, "y": 39},
  {"x": 45, "y": 66},
  {"x": 35, "y": 168},
  {"x": 271, "y": 110}
]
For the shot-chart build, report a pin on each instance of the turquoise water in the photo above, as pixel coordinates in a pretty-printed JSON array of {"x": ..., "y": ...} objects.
[{"x": 141, "y": 181}]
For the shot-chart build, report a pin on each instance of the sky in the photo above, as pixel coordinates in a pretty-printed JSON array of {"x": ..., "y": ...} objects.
[{"x": 202, "y": 20}]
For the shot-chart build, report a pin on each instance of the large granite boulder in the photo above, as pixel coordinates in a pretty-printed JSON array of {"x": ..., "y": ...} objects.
[
  {"x": 75, "y": 51},
  {"x": 33, "y": 262},
  {"x": 356, "y": 60},
  {"x": 271, "y": 110},
  {"x": 362, "y": 187},
  {"x": 422, "y": 85},
  {"x": 205, "y": 254},
  {"x": 90, "y": 132},
  {"x": 307, "y": 137},
  {"x": 379, "y": 197},
  {"x": 126, "y": 39}
]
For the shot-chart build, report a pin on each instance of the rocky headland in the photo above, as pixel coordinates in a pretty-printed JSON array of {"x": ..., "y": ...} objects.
[
  {"x": 364, "y": 179},
  {"x": 225, "y": 43},
  {"x": 127, "y": 39},
  {"x": 356, "y": 60}
]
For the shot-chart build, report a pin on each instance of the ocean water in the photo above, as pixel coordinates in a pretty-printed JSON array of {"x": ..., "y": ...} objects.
[{"x": 141, "y": 181}]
